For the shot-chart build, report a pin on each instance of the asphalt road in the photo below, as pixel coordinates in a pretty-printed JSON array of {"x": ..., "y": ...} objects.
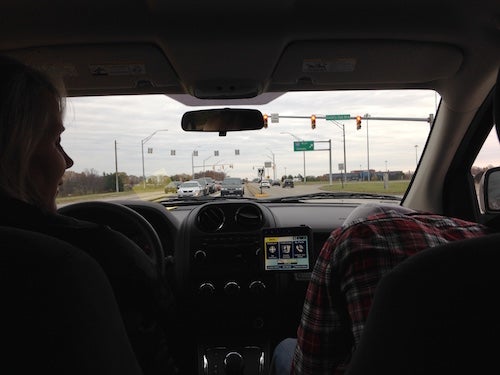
[
  {"x": 251, "y": 190},
  {"x": 278, "y": 191}
]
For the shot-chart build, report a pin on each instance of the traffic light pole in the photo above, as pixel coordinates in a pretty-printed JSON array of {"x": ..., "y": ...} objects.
[
  {"x": 367, "y": 149},
  {"x": 358, "y": 118},
  {"x": 330, "y": 156},
  {"x": 428, "y": 119},
  {"x": 344, "y": 170}
]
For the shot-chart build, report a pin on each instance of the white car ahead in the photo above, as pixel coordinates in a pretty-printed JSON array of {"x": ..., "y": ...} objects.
[
  {"x": 190, "y": 189},
  {"x": 265, "y": 184}
]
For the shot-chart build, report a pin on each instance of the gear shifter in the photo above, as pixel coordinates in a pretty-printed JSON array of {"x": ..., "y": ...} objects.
[{"x": 234, "y": 364}]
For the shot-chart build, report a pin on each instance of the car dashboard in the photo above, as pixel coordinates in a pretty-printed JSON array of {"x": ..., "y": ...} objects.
[{"x": 229, "y": 305}]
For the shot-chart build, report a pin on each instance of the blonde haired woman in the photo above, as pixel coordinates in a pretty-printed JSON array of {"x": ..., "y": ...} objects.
[{"x": 32, "y": 165}]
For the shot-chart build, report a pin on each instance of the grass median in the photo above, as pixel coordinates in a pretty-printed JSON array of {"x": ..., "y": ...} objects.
[{"x": 379, "y": 187}]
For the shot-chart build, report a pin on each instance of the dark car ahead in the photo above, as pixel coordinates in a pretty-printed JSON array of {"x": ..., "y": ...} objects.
[
  {"x": 172, "y": 187},
  {"x": 232, "y": 186},
  {"x": 288, "y": 183}
]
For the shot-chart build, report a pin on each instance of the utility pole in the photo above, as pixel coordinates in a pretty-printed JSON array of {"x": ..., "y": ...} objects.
[
  {"x": 367, "y": 147},
  {"x": 116, "y": 171},
  {"x": 344, "y": 170}
]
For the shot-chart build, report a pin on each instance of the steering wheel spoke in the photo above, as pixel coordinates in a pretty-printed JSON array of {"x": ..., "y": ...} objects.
[{"x": 125, "y": 220}]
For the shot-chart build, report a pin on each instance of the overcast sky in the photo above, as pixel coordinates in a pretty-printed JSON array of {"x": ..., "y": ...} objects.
[{"x": 94, "y": 124}]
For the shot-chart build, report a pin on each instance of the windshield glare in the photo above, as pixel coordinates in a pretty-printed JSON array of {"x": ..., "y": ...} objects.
[{"x": 135, "y": 144}]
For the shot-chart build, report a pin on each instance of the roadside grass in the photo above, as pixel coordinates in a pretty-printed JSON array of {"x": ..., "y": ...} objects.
[
  {"x": 136, "y": 190},
  {"x": 149, "y": 189},
  {"x": 393, "y": 187}
]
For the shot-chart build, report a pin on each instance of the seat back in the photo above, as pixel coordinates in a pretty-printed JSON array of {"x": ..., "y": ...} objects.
[
  {"x": 58, "y": 314},
  {"x": 436, "y": 313}
]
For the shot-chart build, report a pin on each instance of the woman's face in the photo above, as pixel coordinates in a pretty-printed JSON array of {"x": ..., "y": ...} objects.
[{"x": 49, "y": 161}]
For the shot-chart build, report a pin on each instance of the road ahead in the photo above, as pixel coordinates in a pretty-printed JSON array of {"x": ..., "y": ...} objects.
[
  {"x": 278, "y": 191},
  {"x": 251, "y": 190}
]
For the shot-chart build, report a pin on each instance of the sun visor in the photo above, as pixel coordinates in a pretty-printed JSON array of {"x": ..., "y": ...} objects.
[
  {"x": 108, "y": 69},
  {"x": 356, "y": 63}
]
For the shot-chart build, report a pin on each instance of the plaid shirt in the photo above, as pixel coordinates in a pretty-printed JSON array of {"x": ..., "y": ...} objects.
[{"x": 343, "y": 281}]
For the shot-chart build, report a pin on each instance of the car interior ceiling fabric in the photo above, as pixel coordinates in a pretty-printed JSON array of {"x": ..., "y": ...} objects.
[
  {"x": 435, "y": 313},
  {"x": 59, "y": 314}
]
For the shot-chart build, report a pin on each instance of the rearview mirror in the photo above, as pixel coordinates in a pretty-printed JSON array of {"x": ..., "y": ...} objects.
[{"x": 222, "y": 120}]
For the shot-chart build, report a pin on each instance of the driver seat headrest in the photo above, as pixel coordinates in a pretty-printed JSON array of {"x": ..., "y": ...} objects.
[{"x": 59, "y": 314}]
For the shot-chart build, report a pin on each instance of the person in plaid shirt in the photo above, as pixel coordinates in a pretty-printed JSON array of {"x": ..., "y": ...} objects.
[{"x": 344, "y": 278}]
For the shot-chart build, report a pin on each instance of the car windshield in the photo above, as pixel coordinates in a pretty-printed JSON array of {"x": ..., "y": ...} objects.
[{"x": 138, "y": 145}]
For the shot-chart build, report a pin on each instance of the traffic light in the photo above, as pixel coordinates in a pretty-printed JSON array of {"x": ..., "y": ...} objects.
[
  {"x": 265, "y": 120},
  {"x": 313, "y": 121},
  {"x": 358, "y": 122}
]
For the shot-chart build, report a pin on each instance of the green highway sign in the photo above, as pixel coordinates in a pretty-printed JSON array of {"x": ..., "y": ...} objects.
[
  {"x": 337, "y": 117},
  {"x": 303, "y": 146}
]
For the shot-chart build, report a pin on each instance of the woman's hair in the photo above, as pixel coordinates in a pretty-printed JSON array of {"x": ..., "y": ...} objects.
[{"x": 26, "y": 98}]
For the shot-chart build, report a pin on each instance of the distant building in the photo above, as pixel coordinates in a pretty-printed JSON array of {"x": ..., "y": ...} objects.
[{"x": 362, "y": 175}]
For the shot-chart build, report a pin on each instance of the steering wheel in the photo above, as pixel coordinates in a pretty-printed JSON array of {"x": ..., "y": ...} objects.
[{"x": 125, "y": 220}]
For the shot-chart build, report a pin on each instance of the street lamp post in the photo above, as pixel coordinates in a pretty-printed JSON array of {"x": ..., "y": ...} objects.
[
  {"x": 193, "y": 154},
  {"x": 116, "y": 171},
  {"x": 367, "y": 146},
  {"x": 416, "y": 156},
  {"x": 343, "y": 141},
  {"x": 274, "y": 163},
  {"x": 142, "y": 149},
  {"x": 204, "y": 160},
  {"x": 303, "y": 152}
]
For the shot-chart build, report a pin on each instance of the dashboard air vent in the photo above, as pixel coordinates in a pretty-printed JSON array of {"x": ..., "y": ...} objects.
[
  {"x": 210, "y": 219},
  {"x": 249, "y": 216}
]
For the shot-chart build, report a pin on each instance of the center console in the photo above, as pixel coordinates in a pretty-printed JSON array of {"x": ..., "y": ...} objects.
[{"x": 227, "y": 287}]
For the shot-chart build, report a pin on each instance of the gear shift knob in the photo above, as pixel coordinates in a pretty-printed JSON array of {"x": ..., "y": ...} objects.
[{"x": 234, "y": 363}]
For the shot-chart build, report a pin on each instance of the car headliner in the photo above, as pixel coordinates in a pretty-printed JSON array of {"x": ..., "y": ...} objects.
[{"x": 222, "y": 50}]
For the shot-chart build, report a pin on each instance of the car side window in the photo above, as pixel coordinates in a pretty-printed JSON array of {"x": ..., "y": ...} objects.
[{"x": 488, "y": 157}]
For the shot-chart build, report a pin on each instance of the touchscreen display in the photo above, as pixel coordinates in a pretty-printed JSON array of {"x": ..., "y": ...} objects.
[{"x": 287, "y": 249}]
